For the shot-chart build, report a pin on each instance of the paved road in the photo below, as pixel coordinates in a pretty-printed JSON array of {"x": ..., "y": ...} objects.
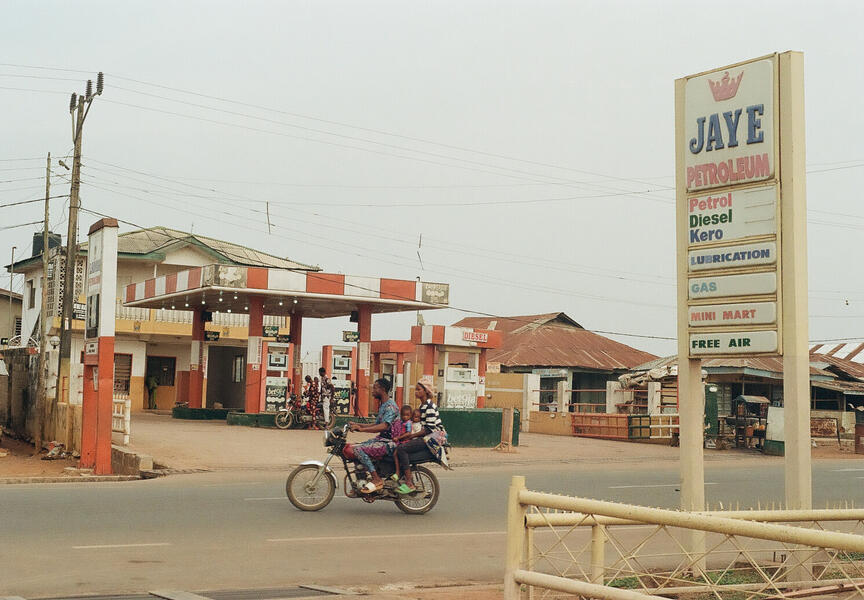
[{"x": 236, "y": 529}]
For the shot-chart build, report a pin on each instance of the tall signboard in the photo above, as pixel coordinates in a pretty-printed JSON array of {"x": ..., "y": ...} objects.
[
  {"x": 731, "y": 211},
  {"x": 98, "y": 393},
  {"x": 741, "y": 251}
]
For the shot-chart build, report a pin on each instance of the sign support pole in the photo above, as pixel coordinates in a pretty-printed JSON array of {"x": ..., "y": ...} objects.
[
  {"x": 796, "y": 359},
  {"x": 691, "y": 410}
]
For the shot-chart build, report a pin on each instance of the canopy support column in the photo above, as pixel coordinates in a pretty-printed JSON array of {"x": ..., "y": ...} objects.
[
  {"x": 254, "y": 378},
  {"x": 297, "y": 358},
  {"x": 196, "y": 362},
  {"x": 364, "y": 355}
]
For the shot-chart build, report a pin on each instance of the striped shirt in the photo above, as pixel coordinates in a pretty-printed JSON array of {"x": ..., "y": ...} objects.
[{"x": 429, "y": 416}]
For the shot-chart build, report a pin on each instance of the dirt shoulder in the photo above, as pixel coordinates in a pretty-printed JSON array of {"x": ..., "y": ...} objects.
[{"x": 20, "y": 461}]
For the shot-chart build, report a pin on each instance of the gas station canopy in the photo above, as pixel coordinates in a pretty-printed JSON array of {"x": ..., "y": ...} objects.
[{"x": 225, "y": 288}]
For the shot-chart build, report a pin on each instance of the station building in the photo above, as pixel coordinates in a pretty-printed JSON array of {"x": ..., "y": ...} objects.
[{"x": 152, "y": 343}]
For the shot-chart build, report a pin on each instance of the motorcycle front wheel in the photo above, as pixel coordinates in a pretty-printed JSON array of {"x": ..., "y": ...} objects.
[
  {"x": 426, "y": 496},
  {"x": 303, "y": 494},
  {"x": 284, "y": 419}
]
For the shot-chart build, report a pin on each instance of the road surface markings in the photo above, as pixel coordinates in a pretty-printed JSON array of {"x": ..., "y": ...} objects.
[
  {"x": 383, "y": 537},
  {"x": 652, "y": 485},
  {"x": 233, "y": 483},
  {"x": 285, "y": 498},
  {"x": 103, "y": 546},
  {"x": 848, "y": 470}
]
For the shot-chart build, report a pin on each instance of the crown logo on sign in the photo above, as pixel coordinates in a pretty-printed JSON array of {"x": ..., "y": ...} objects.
[{"x": 725, "y": 88}]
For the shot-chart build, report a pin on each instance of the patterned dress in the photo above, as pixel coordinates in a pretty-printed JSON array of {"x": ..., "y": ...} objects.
[{"x": 381, "y": 445}]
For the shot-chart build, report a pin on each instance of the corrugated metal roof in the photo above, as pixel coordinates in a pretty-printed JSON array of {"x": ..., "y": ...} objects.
[
  {"x": 154, "y": 239},
  {"x": 853, "y": 351},
  {"x": 769, "y": 364},
  {"x": 851, "y": 388},
  {"x": 554, "y": 340}
]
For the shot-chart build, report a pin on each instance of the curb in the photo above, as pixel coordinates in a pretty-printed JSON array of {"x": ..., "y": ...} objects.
[{"x": 68, "y": 479}]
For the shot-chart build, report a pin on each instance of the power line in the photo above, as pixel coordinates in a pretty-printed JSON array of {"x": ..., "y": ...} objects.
[
  {"x": 519, "y": 259},
  {"x": 314, "y": 275},
  {"x": 506, "y": 172},
  {"x": 459, "y": 309},
  {"x": 478, "y": 277},
  {"x": 20, "y": 225},
  {"x": 34, "y": 200}
]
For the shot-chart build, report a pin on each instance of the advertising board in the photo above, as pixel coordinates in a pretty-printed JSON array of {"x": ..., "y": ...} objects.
[{"x": 730, "y": 251}]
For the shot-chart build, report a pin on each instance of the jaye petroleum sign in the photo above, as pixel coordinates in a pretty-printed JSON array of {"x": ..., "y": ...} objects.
[
  {"x": 729, "y": 125},
  {"x": 727, "y": 141}
]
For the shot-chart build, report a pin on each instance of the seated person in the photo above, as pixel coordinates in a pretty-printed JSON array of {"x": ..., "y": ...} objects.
[
  {"x": 400, "y": 431},
  {"x": 431, "y": 434},
  {"x": 379, "y": 446}
]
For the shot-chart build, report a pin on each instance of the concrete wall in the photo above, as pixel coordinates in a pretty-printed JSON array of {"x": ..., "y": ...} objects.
[
  {"x": 846, "y": 418},
  {"x": 514, "y": 390},
  {"x": 30, "y": 315},
  {"x": 21, "y": 388},
  {"x": 551, "y": 423},
  {"x": 505, "y": 390},
  {"x": 7, "y": 325}
]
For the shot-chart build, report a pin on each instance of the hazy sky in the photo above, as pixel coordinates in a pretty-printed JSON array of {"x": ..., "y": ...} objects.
[{"x": 531, "y": 143}]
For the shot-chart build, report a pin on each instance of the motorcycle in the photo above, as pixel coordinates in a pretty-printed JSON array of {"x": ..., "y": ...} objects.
[
  {"x": 312, "y": 485},
  {"x": 296, "y": 412}
]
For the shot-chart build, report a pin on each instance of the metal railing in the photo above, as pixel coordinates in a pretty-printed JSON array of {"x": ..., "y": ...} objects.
[
  {"x": 121, "y": 416},
  {"x": 564, "y": 545}
]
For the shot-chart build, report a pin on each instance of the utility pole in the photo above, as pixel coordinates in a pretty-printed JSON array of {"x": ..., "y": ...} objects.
[
  {"x": 79, "y": 107},
  {"x": 11, "y": 283},
  {"x": 41, "y": 400}
]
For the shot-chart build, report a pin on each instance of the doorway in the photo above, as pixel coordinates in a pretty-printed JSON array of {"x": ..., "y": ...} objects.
[
  {"x": 162, "y": 370},
  {"x": 226, "y": 377}
]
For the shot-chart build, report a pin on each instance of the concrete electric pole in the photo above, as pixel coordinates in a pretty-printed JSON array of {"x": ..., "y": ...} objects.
[
  {"x": 41, "y": 400},
  {"x": 79, "y": 107},
  {"x": 12, "y": 283}
]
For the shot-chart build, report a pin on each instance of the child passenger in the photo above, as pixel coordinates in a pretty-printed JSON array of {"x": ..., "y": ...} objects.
[{"x": 401, "y": 430}]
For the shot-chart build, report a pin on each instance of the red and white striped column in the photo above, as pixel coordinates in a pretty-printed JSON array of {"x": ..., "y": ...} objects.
[
  {"x": 99, "y": 347},
  {"x": 254, "y": 374}
]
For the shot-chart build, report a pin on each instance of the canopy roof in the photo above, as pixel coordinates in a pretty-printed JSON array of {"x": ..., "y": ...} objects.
[{"x": 226, "y": 288}]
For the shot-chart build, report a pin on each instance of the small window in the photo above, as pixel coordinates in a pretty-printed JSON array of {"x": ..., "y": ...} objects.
[
  {"x": 17, "y": 325},
  {"x": 237, "y": 373},
  {"x": 162, "y": 368},
  {"x": 31, "y": 294}
]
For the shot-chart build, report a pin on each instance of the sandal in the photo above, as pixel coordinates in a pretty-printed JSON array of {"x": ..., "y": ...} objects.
[
  {"x": 405, "y": 489},
  {"x": 371, "y": 488}
]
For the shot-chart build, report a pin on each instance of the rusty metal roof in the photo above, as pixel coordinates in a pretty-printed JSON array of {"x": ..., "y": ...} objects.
[
  {"x": 770, "y": 364},
  {"x": 852, "y": 351},
  {"x": 842, "y": 366},
  {"x": 554, "y": 340},
  {"x": 848, "y": 388}
]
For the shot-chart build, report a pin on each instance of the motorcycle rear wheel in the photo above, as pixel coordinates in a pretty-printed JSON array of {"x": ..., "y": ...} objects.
[
  {"x": 426, "y": 496},
  {"x": 309, "y": 498},
  {"x": 284, "y": 419},
  {"x": 327, "y": 424}
]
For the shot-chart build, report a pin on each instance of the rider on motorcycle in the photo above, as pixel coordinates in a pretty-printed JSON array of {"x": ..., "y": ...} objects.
[{"x": 379, "y": 446}]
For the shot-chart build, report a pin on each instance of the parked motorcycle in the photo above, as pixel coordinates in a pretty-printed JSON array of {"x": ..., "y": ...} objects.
[
  {"x": 296, "y": 413},
  {"x": 312, "y": 485}
]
